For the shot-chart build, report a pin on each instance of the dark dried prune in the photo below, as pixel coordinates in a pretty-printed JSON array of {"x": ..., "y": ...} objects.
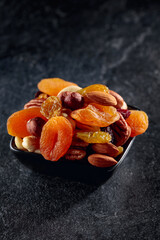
[{"x": 125, "y": 112}]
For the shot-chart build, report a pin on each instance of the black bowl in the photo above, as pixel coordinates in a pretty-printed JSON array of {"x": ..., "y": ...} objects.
[{"x": 77, "y": 170}]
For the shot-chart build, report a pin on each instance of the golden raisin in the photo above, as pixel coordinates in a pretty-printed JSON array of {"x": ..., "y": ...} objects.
[
  {"x": 120, "y": 150},
  {"x": 42, "y": 95},
  {"x": 51, "y": 107},
  {"x": 94, "y": 137}
]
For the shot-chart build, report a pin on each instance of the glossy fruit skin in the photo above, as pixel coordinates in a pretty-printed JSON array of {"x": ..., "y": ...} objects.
[
  {"x": 94, "y": 87},
  {"x": 56, "y": 138},
  {"x": 35, "y": 125},
  {"x": 94, "y": 137},
  {"x": 138, "y": 122},
  {"x": 87, "y": 128},
  {"x": 96, "y": 115},
  {"x": 125, "y": 112},
  {"x": 51, "y": 107},
  {"x": 109, "y": 130},
  {"x": 17, "y": 122},
  {"x": 71, "y": 100},
  {"x": 52, "y": 86}
]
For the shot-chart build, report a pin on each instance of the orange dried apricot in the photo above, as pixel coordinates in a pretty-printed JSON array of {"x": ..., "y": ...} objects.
[
  {"x": 138, "y": 121},
  {"x": 52, "y": 86},
  {"x": 94, "y": 87},
  {"x": 51, "y": 107},
  {"x": 94, "y": 137},
  {"x": 16, "y": 123},
  {"x": 87, "y": 127},
  {"x": 96, "y": 115},
  {"x": 56, "y": 138}
]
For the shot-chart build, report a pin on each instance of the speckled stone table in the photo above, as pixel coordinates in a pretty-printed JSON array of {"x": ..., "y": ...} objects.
[{"x": 110, "y": 42}]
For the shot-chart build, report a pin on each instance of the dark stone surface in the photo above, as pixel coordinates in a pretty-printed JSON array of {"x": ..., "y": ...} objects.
[{"x": 112, "y": 42}]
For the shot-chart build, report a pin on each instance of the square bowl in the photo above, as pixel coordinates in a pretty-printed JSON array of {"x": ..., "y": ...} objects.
[{"x": 80, "y": 170}]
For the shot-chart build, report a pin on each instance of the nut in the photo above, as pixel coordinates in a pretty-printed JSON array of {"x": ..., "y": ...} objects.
[
  {"x": 102, "y": 98},
  {"x": 72, "y": 100},
  {"x": 121, "y": 131},
  {"x": 73, "y": 123},
  {"x": 40, "y": 94},
  {"x": 75, "y": 154},
  {"x": 106, "y": 148},
  {"x": 102, "y": 161},
  {"x": 120, "y": 100},
  {"x": 37, "y": 94},
  {"x": 124, "y": 106},
  {"x": 18, "y": 142},
  {"x": 43, "y": 95},
  {"x": 34, "y": 103},
  {"x": 35, "y": 125},
  {"x": 125, "y": 112},
  {"x": 66, "y": 112},
  {"x": 76, "y": 142},
  {"x": 37, "y": 151},
  {"x": 31, "y": 143},
  {"x": 71, "y": 88}
]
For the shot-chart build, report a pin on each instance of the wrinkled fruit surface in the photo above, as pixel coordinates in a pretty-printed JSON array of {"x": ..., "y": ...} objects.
[
  {"x": 94, "y": 137},
  {"x": 56, "y": 138},
  {"x": 96, "y": 115},
  {"x": 125, "y": 112},
  {"x": 75, "y": 154},
  {"x": 109, "y": 130},
  {"x": 51, "y": 107},
  {"x": 138, "y": 121},
  {"x": 64, "y": 120},
  {"x": 121, "y": 131},
  {"x": 87, "y": 127},
  {"x": 17, "y": 122}
]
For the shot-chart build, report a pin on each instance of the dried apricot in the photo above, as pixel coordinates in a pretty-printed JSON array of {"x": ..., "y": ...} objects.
[
  {"x": 51, "y": 107},
  {"x": 96, "y": 115},
  {"x": 52, "y": 86},
  {"x": 94, "y": 137},
  {"x": 16, "y": 124},
  {"x": 138, "y": 121},
  {"x": 94, "y": 87},
  {"x": 56, "y": 138},
  {"x": 87, "y": 127}
]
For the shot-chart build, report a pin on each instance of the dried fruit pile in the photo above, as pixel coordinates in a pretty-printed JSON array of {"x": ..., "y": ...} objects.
[{"x": 64, "y": 120}]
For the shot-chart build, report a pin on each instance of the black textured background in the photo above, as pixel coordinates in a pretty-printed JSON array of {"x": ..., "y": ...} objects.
[{"x": 111, "y": 42}]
